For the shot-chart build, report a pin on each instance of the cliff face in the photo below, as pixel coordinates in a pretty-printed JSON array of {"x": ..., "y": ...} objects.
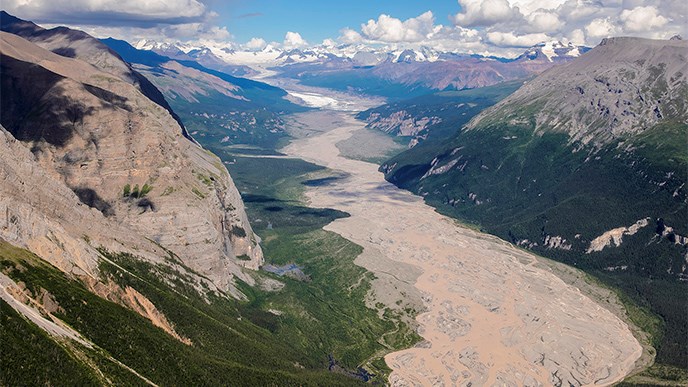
[
  {"x": 620, "y": 88},
  {"x": 95, "y": 135},
  {"x": 80, "y": 45}
]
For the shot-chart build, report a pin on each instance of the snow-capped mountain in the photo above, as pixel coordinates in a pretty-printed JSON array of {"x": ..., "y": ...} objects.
[
  {"x": 385, "y": 71},
  {"x": 165, "y": 48},
  {"x": 553, "y": 51},
  {"x": 422, "y": 54},
  {"x": 359, "y": 54},
  {"x": 201, "y": 54}
]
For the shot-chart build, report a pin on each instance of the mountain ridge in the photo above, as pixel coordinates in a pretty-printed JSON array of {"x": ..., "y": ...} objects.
[
  {"x": 390, "y": 71},
  {"x": 97, "y": 160},
  {"x": 595, "y": 179},
  {"x": 74, "y": 43},
  {"x": 226, "y": 108},
  {"x": 624, "y": 105}
]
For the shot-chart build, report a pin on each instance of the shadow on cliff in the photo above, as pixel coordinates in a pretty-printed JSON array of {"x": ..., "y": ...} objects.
[{"x": 40, "y": 108}]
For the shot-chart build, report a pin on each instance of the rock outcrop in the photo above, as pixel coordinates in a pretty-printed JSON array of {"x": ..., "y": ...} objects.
[
  {"x": 101, "y": 161},
  {"x": 621, "y": 87}
]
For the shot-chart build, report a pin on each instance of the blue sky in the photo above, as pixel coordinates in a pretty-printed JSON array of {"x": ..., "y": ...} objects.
[{"x": 316, "y": 20}]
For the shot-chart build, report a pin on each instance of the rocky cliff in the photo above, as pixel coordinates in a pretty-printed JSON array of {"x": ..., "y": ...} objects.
[
  {"x": 91, "y": 129},
  {"x": 620, "y": 88}
]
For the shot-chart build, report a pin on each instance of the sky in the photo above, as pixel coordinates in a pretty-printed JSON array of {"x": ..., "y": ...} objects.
[{"x": 494, "y": 27}]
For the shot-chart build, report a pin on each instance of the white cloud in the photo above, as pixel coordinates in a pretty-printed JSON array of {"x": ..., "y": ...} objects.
[
  {"x": 600, "y": 28},
  {"x": 641, "y": 19},
  {"x": 329, "y": 43},
  {"x": 547, "y": 21},
  {"x": 390, "y": 29},
  {"x": 113, "y": 12},
  {"x": 508, "y": 39},
  {"x": 484, "y": 13},
  {"x": 349, "y": 36},
  {"x": 256, "y": 44},
  {"x": 576, "y": 36},
  {"x": 495, "y": 27},
  {"x": 294, "y": 40},
  {"x": 531, "y": 6}
]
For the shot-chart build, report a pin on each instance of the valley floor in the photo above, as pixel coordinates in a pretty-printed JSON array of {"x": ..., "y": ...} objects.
[{"x": 487, "y": 313}]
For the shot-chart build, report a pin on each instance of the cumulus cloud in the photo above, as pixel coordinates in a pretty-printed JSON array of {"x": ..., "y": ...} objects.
[
  {"x": 546, "y": 21},
  {"x": 530, "y": 6},
  {"x": 600, "y": 28},
  {"x": 502, "y": 23},
  {"x": 294, "y": 40},
  {"x": 641, "y": 19},
  {"x": 390, "y": 29},
  {"x": 576, "y": 36},
  {"x": 256, "y": 44},
  {"x": 126, "y": 19},
  {"x": 494, "y": 27},
  {"x": 483, "y": 13},
  {"x": 504, "y": 27},
  {"x": 349, "y": 36},
  {"x": 508, "y": 39}
]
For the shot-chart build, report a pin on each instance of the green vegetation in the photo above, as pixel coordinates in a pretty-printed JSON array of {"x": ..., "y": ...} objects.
[
  {"x": 361, "y": 81},
  {"x": 32, "y": 356},
  {"x": 204, "y": 179},
  {"x": 452, "y": 108},
  {"x": 145, "y": 190},
  {"x": 290, "y": 336},
  {"x": 136, "y": 192},
  {"x": 167, "y": 191},
  {"x": 658, "y": 375},
  {"x": 213, "y": 117},
  {"x": 238, "y": 231},
  {"x": 243, "y": 257},
  {"x": 198, "y": 192},
  {"x": 216, "y": 330},
  {"x": 518, "y": 185},
  {"x": 325, "y": 315}
]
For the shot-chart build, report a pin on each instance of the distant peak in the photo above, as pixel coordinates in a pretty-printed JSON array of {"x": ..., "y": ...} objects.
[{"x": 676, "y": 37}]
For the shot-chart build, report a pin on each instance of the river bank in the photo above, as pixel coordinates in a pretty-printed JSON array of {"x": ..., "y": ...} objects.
[{"x": 491, "y": 315}]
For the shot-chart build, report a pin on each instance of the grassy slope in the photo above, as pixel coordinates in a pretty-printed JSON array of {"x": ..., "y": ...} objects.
[
  {"x": 454, "y": 108},
  {"x": 33, "y": 356},
  {"x": 215, "y": 329},
  {"x": 337, "y": 321},
  {"x": 531, "y": 186},
  {"x": 254, "y": 115}
]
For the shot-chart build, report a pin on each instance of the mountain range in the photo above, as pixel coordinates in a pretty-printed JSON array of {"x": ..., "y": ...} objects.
[
  {"x": 384, "y": 71},
  {"x": 586, "y": 163},
  {"x": 224, "y": 108},
  {"x": 121, "y": 240},
  {"x": 123, "y": 237},
  {"x": 126, "y": 254}
]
